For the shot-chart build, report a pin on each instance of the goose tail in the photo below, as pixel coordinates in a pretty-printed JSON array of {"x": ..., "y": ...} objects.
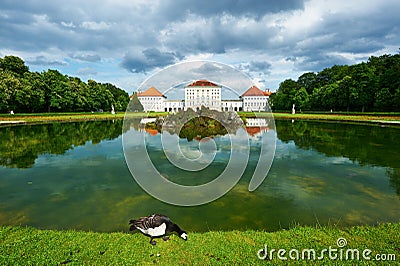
[{"x": 132, "y": 223}]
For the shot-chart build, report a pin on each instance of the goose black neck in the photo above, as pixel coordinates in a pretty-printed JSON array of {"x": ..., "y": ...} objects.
[{"x": 177, "y": 229}]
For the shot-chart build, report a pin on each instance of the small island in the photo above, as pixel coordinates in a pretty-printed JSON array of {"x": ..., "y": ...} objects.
[{"x": 199, "y": 124}]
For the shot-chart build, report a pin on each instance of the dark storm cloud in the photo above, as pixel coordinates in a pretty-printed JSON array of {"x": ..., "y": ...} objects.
[
  {"x": 88, "y": 25},
  {"x": 263, "y": 67},
  {"x": 259, "y": 66},
  {"x": 358, "y": 33},
  {"x": 71, "y": 26},
  {"x": 219, "y": 35},
  {"x": 149, "y": 59},
  {"x": 319, "y": 61}
]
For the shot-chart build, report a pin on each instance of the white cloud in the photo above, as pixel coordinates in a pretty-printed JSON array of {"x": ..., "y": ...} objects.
[
  {"x": 92, "y": 25},
  {"x": 68, "y": 24}
]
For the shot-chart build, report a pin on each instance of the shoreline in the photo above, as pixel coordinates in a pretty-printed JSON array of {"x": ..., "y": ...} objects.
[{"x": 39, "y": 118}]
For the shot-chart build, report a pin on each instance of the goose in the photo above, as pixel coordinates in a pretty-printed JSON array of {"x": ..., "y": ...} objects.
[{"x": 155, "y": 226}]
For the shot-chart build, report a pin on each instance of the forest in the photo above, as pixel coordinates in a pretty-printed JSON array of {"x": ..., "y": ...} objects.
[
  {"x": 368, "y": 86},
  {"x": 365, "y": 87},
  {"x": 24, "y": 91}
]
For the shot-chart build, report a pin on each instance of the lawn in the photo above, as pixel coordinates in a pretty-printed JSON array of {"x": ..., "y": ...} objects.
[
  {"x": 30, "y": 246},
  {"x": 6, "y": 119},
  {"x": 377, "y": 118}
]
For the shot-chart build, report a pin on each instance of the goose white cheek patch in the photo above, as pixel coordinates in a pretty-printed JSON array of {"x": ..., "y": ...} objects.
[{"x": 184, "y": 236}]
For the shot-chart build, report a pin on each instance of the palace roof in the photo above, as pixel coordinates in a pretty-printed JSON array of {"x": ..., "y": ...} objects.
[
  {"x": 202, "y": 83},
  {"x": 152, "y": 92},
  {"x": 255, "y": 91}
]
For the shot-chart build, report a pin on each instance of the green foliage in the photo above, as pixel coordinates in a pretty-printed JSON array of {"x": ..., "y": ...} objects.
[
  {"x": 24, "y": 91},
  {"x": 201, "y": 127},
  {"x": 199, "y": 124},
  {"x": 13, "y": 64},
  {"x": 370, "y": 86}
]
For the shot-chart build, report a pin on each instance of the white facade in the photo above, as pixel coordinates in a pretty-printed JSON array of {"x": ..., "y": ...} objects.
[
  {"x": 232, "y": 105},
  {"x": 152, "y": 103},
  {"x": 173, "y": 105},
  {"x": 152, "y": 100},
  {"x": 255, "y": 103},
  {"x": 204, "y": 93},
  {"x": 200, "y": 94}
]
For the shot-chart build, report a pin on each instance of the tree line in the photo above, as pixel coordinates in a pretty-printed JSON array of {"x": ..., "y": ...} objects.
[
  {"x": 368, "y": 86},
  {"x": 51, "y": 91}
]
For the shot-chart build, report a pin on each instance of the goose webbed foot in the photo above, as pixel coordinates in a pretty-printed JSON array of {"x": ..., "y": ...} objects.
[
  {"x": 153, "y": 242},
  {"x": 165, "y": 238}
]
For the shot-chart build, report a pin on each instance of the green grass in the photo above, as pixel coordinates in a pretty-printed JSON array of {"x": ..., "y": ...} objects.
[
  {"x": 29, "y": 246},
  {"x": 378, "y": 118},
  {"x": 69, "y": 117}
]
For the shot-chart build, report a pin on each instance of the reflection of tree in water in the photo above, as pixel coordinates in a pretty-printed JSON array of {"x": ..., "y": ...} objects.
[
  {"x": 394, "y": 175},
  {"x": 21, "y": 145},
  {"x": 366, "y": 145},
  {"x": 299, "y": 128}
]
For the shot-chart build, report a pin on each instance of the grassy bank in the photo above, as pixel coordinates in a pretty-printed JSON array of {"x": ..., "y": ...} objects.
[
  {"x": 66, "y": 117},
  {"x": 49, "y": 117},
  {"x": 28, "y": 246},
  {"x": 377, "y": 118}
]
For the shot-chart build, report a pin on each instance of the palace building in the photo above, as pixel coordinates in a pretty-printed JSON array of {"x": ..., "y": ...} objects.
[{"x": 204, "y": 93}]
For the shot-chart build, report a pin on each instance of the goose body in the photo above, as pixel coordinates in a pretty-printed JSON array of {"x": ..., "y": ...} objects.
[{"x": 155, "y": 226}]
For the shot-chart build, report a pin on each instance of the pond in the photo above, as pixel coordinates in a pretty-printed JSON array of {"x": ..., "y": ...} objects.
[{"x": 74, "y": 176}]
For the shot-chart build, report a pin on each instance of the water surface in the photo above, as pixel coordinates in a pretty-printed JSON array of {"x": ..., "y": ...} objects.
[{"x": 74, "y": 175}]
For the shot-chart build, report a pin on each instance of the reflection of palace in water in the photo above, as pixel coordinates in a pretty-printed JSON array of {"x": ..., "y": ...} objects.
[
  {"x": 254, "y": 126},
  {"x": 204, "y": 93}
]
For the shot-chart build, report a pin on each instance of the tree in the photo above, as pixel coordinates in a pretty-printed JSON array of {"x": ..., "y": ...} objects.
[
  {"x": 308, "y": 81},
  {"x": 100, "y": 97},
  {"x": 330, "y": 75},
  {"x": 384, "y": 100},
  {"x": 50, "y": 90},
  {"x": 283, "y": 98},
  {"x": 31, "y": 96},
  {"x": 301, "y": 99},
  {"x": 328, "y": 96},
  {"x": 77, "y": 94},
  {"x": 365, "y": 85},
  {"x": 121, "y": 98},
  {"x": 346, "y": 93},
  {"x": 9, "y": 88},
  {"x": 14, "y": 64}
]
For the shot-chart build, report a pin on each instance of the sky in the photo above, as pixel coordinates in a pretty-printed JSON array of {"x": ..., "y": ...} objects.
[{"x": 124, "y": 42}]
